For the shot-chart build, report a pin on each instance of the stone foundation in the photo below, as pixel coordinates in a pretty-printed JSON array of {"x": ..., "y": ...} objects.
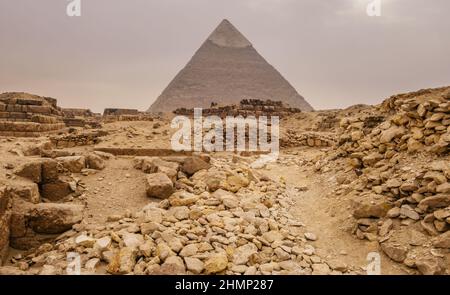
[{"x": 27, "y": 115}]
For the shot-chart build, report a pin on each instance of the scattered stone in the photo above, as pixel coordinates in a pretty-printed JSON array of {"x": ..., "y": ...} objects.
[
  {"x": 54, "y": 218},
  {"x": 159, "y": 186}
]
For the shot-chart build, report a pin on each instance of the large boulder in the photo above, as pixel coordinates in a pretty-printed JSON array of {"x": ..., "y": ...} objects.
[
  {"x": 159, "y": 186},
  {"x": 73, "y": 163},
  {"x": 370, "y": 206},
  {"x": 194, "y": 164},
  {"x": 30, "y": 170},
  {"x": 28, "y": 191},
  {"x": 52, "y": 218},
  {"x": 95, "y": 161},
  {"x": 49, "y": 170},
  {"x": 442, "y": 241},
  {"x": 56, "y": 190}
]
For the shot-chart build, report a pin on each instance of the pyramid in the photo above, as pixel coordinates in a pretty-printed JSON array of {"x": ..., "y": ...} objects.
[{"x": 225, "y": 70}]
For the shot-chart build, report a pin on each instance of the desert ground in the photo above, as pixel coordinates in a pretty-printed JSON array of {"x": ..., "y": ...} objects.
[{"x": 348, "y": 185}]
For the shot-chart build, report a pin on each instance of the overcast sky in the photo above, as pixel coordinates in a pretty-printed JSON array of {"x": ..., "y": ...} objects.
[{"x": 123, "y": 53}]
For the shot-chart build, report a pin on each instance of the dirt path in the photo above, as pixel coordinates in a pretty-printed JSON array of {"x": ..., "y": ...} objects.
[{"x": 328, "y": 217}]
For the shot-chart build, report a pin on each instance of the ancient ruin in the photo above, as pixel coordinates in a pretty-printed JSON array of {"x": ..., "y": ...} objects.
[
  {"x": 26, "y": 115},
  {"x": 246, "y": 107},
  {"x": 366, "y": 179},
  {"x": 226, "y": 69}
]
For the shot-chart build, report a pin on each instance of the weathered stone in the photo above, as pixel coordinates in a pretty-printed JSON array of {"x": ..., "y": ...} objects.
[
  {"x": 52, "y": 218},
  {"x": 26, "y": 191},
  {"x": 172, "y": 241},
  {"x": 428, "y": 265},
  {"x": 395, "y": 251},
  {"x": 123, "y": 261},
  {"x": 443, "y": 188},
  {"x": 94, "y": 161},
  {"x": 407, "y": 211},
  {"x": 368, "y": 207},
  {"x": 235, "y": 182},
  {"x": 132, "y": 241},
  {"x": 31, "y": 171},
  {"x": 393, "y": 213},
  {"x": 242, "y": 254},
  {"x": 189, "y": 250},
  {"x": 103, "y": 244},
  {"x": 310, "y": 236},
  {"x": 73, "y": 163},
  {"x": 56, "y": 190},
  {"x": 183, "y": 198},
  {"x": 393, "y": 132},
  {"x": 216, "y": 263},
  {"x": 386, "y": 227},
  {"x": 173, "y": 265},
  {"x": 437, "y": 201},
  {"x": 193, "y": 164},
  {"x": 159, "y": 186},
  {"x": 372, "y": 159},
  {"x": 442, "y": 241},
  {"x": 437, "y": 177},
  {"x": 85, "y": 241},
  {"x": 320, "y": 269}
]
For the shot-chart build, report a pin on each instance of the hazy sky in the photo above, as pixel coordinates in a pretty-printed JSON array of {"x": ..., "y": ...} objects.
[{"x": 123, "y": 53}]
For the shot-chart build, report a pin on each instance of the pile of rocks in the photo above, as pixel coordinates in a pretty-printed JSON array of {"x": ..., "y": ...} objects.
[
  {"x": 419, "y": 123},
  {"x": 222, "y": 219},
  {"x": 292, "y": 138},
  {"x": 27, "y": 115},
  {"x": 78, "y": 138}
]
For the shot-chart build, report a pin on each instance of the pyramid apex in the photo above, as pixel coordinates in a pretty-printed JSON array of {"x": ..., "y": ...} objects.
[{"x": 226, "y": 35}]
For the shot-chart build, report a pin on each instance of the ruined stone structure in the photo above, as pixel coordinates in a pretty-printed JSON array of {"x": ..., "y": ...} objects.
[
  {"x": 27, "y": 115},
  {"x": 5, "y": 217},
  {"x": 226, "y": 69},
  {"x": 119, "y": 112},
  {"x": 114, "y": 115},
  {"x": 83, "y": 138},
  {"x": 74, "y": 112},
  {"x": 246, "y": 107},
  {"x": 81, "y": 118},
  {"x": 311, "y": 139}
]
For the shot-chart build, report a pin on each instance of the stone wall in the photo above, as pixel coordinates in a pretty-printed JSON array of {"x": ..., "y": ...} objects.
[
  {"x": 72, "y": 112},
  {"x": 247, "y": 107},
  {"x": 83, "y": 138},
  {"x": 128, "y": 118},
  {"x": 119, "y": 112},
  {"x": 26, "y": 115},
  {"x": 311, "y": 139},
  {"x": 5, "y": 217}
]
